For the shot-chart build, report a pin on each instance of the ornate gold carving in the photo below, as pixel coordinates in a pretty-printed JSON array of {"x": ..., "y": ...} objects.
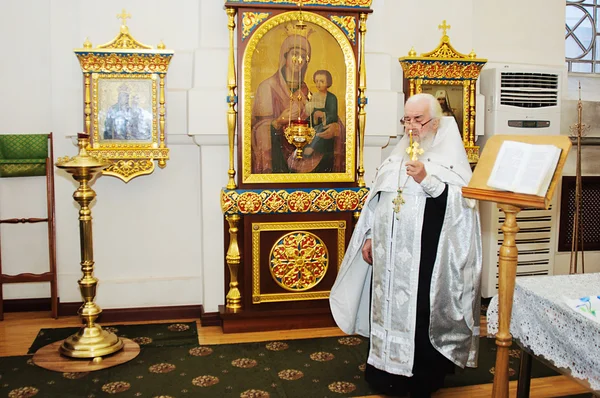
[
  {"x": 332, "y": 3},
  {"x": 348, "y": 24},
  {"x": 298, "y": 261},
  {"x": 444, "y": 27},
  {"x": 362, "y": 101},
  {"x": 292, "y": 201},
  {"x": 249, "y": 203},
  {"x": 126, "y": 63},
  {"x": 251, "y": 20},
  {"x": 231, "y": 99},
  {"x": 301, "y": 229},
  {"x": 299, "y": 201},
  {"x": 347, "y": 50},
  {"x": 130, "y": 168},
  {"x": 233, "y": 258},
  {"x": 124, "y": 40}
]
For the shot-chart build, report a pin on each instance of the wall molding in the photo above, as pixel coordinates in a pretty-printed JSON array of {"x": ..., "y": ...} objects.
[{"x": 118, "y": 314}]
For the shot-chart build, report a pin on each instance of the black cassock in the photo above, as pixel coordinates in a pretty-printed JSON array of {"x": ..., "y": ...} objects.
[{"x": 430, "y": 367}]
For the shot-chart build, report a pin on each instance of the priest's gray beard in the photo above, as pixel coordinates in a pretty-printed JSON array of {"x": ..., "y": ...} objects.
[{"x": 426, "y": 142}]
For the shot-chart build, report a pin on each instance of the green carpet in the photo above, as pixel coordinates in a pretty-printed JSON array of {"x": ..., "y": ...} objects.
[
  {"x": 171, "y": 365},
  {"x": 147, "y": 335}
]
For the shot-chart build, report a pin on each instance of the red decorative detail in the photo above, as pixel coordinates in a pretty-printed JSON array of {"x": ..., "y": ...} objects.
[
  {"x": 274, "y": 202},
  {"x": 347, "y": 200},
  {"x": 299, "y": 201},
  {"x": 324, "y": 201},
  {"x": 249, "y": 203},
  {"x": 226, "y": 202}
]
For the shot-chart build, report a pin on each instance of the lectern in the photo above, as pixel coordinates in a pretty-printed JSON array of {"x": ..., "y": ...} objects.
[{"x": 510, "y": 203}]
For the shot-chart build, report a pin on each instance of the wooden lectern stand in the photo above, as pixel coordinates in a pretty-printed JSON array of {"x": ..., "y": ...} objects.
[{"x": 510, "y": 203}]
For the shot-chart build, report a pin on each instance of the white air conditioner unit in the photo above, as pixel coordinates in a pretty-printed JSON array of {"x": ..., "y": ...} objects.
[{"x": 519, "y": 100}]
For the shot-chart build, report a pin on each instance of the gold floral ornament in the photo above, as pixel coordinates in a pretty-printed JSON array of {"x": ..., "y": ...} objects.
[
  {"x": 328, "y": 3},
  {"x": 299, "y": 261},
  {"x": 250, "y": 20}
]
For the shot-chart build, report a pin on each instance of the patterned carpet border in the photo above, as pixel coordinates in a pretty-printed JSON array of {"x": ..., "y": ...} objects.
[{"x": 176, "y": 366}]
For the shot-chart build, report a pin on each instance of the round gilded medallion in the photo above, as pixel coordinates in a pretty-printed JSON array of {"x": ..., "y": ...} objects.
[
  {"x": 298, "y": 261},
  {"x": 249, "y": 203}
]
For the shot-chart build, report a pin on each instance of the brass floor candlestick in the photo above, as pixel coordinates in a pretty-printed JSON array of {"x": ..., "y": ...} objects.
[{"x": 90, "y": 341}]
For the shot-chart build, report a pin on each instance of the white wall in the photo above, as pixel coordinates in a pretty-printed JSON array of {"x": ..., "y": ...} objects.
[{"x": 159, "y": 239}]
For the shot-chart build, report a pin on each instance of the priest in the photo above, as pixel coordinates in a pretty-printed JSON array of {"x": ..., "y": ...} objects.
[{"x": 410, "y": 279}]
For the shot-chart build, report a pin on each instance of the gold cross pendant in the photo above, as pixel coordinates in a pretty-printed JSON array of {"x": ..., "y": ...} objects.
[{"x": 398, "y": 201}]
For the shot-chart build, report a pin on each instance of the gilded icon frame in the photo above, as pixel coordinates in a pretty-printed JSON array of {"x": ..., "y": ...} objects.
[
  {"x": 269, "y": 34},
  {"x": 124, "y": 83},
  {"x": 445, "y": 69}
]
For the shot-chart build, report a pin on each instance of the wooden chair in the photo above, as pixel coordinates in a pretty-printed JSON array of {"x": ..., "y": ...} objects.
[{"x": 25, "y": 155}]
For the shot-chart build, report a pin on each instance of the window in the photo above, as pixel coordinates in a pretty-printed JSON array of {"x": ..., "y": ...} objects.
[{"x": 582, "y": 50}]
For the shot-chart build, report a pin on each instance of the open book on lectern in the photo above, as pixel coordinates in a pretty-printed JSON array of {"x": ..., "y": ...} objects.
[
  {"x": 519, "y": 170},
  {"x": 524, "y": 168}
]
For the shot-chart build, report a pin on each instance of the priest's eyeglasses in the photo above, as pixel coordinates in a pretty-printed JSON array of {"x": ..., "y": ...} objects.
[{"x": 404, "y": 121}]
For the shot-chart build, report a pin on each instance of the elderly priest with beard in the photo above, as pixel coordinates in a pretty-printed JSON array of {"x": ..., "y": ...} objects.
[{"x": 410, "y": 279}]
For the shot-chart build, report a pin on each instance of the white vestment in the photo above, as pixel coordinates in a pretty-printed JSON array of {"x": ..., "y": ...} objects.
[{"x": 455, "y": 285}]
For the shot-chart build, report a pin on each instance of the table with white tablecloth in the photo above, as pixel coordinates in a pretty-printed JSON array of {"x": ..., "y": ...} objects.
[{"x": 545, "y": 325}]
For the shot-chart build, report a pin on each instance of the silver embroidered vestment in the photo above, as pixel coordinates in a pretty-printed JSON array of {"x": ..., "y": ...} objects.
[{"x": 454, "y": 294}]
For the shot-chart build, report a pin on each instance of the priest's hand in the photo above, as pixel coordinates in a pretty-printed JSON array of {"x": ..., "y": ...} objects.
[
  {"x": 416, "y": 170},
  {"x": 367, "y": 253}
]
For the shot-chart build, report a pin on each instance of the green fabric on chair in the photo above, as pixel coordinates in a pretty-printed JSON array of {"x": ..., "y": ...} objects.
[{"x": 23, "y": 155}]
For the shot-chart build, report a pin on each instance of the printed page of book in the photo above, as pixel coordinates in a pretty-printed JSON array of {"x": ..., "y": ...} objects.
[
  {"x": 524, "y": 168},
  {"x": 509, "y": 159},
  {"x": 535, "y": 177}
]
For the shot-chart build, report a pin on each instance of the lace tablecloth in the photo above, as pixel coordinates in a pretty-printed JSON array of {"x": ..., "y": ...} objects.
[{"x": 543, "y": 322}]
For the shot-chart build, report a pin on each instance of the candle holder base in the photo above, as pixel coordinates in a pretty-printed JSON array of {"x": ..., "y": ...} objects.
[{"x": 91, "y": 342}]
